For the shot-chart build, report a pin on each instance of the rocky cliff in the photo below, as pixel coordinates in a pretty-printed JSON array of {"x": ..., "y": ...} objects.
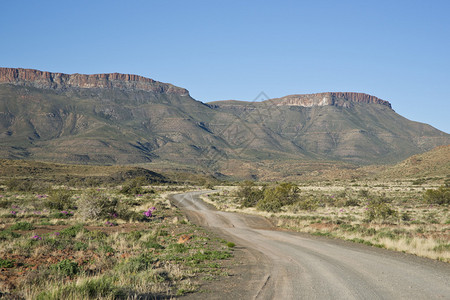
[
  {"x": 61, "y": 81},
  {"x": 331, "y": 98},
  {"x": 116, "y": 118}
]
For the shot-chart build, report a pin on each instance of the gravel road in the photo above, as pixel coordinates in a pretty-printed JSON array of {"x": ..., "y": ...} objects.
[{"x": 288, "y": 265}]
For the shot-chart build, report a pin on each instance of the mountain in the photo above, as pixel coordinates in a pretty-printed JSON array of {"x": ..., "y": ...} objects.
[
  {"x": 431, "y": 164},
  {"x": 129, "y": 119}
]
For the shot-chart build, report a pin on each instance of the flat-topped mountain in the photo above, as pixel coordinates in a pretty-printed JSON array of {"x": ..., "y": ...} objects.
[
  {"x": 60, "y": 81},
  {"x": 332, "y": 98},
  {"x": 122, "y": 119},
  {"x": 344, "y": 99}
]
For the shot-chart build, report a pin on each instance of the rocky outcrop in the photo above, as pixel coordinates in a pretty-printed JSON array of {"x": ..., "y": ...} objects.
[
  {"x": 344, "y": 99},
  {"x": 61, "y": 81}
]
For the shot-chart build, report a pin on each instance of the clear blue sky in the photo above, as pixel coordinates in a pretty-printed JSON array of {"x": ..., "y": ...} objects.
[{"x": 396, "y": 50}]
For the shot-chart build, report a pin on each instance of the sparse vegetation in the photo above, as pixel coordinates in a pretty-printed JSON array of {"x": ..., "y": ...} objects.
[
  {"x": 389, "y": 215},
  {"x": 440, "y": 196},
  {"x": 101, "y": 243},
  {"x": 66, "y": 241}
]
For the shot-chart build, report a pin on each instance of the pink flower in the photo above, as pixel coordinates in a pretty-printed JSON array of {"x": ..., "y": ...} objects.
[{"x": 36, "y": 237}]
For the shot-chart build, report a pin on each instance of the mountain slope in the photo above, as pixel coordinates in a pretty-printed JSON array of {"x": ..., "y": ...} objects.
[
  {"x": 433, "y": 163},
  {"x": 352, "y": 127},
  {"x": 123, "y": 119}
]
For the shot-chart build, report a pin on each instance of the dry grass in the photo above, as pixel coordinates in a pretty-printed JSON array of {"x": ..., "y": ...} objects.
[
  {"x": 415, "y": 227},
  {"x": 133, "y": 258}
]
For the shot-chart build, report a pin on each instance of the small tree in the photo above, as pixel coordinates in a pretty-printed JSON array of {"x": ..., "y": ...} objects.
[
  {"x": 250, "y": 194},
  {"x": 441, "y": 196},
  {"x": 380, "y": 209},
  {"x": 277, "y": 197}
]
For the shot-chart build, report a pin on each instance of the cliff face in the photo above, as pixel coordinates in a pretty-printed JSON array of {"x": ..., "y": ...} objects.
[
  {"x": 110, "y": 118},
  {"x": 332, "y": 98},
  {"x": 61, "y": 81}
]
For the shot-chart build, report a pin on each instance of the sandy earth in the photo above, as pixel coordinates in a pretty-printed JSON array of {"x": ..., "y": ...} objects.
[{"x": 274, "y": 264}]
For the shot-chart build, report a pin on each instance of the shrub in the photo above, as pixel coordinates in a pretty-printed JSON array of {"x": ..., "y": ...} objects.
[
  {"x": 231, "y": 245},
  {"x": 363, "y": 193},
  {"x": 80, "y": 246},
  {"x": 6, "y": 263},
  {"x": 135, "y": 186},
  {"x": 66, "y": 267},
  {"x": 379, "y": 209},
  {"x": 249, "y": 194},
  {"x": 72, "y": 231},
  {"x": 307, "y": 203},
  {"x": 22, "y": 226},
  {"x": 7, "y": 234},
  {"x": 96, "y": 205},
  {"x": 59, "y": 199},
  {"x": 405, "y": 216},
  {"x": 440, "y": 196},
  {"x": 270, "y": 204},
  {"x": 19, "y": 185},
  {"x": 277, "y": 197}
]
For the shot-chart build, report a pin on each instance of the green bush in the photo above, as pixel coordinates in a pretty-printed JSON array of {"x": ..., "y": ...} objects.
[
  {"x": 277, "y": 197},
  {"x": 307, "y": 203},
  {"x": 80, "y": 246},
  {"x": 19, "y": 185},
  {"x": 231, "y": 245},
  {"x": 441, "y": 196},
  {"x": 379, "y": 209},
  {"x": 6, "y": 263},
  {"x": 269, "y": 203},
  {"x": 72, "y": 231},
  {"x": 66, "y": 267},
  {"x": 249, "y": 194},
  {"x": 135, "y": 186},
  {"x": 7, "y": 234},
  {"x": 22, "y": 226},
  {"x": 59, "y": 199}
]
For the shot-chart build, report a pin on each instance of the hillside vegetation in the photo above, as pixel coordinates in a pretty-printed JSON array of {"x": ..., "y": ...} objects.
[{"x": 126, "y": 119}]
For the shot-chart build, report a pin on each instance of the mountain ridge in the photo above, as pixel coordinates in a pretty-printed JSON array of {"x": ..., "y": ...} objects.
[
  {"x": 340, "y": 99},
  {"x": 128, "y": 119},
  {"x": 60, "y": 81}
]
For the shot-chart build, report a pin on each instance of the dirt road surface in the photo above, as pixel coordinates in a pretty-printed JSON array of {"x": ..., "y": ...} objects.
[{"x": 287, "y": 265}]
